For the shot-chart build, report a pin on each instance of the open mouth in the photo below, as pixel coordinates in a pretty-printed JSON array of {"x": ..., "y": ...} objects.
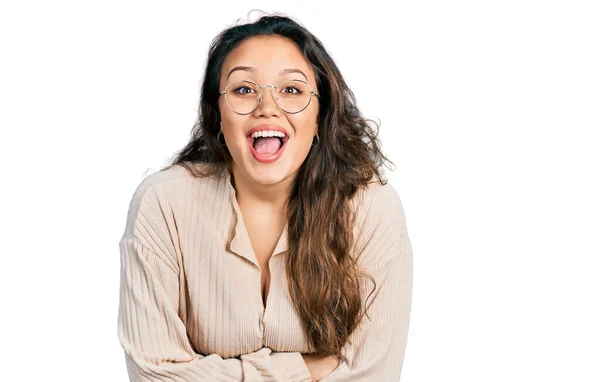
[{"x": 267, "y": 146}]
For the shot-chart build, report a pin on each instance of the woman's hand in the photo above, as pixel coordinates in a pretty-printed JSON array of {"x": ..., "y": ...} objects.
[{"x": 320, "y": 366}]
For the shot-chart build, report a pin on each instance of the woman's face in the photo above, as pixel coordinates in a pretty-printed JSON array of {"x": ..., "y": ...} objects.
[{"x": 265, "y": 57}]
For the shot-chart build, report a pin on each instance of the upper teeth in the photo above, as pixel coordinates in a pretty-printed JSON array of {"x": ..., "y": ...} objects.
[{"x": 269, "y": 133}]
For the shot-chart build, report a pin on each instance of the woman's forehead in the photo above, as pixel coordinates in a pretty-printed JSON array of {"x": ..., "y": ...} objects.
[{"x": 266, "y": 57}]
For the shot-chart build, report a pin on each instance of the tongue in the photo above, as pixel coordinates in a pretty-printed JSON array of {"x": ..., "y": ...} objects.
[{"x": 267, "y": 146}]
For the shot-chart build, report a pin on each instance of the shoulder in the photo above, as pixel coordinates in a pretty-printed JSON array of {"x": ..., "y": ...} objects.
[
  {"x": 380, "y": 222},
  {"x": 376, "y": 201},
  {"x": 150, "y": 182},
  {"x": 156, "y": 193}
]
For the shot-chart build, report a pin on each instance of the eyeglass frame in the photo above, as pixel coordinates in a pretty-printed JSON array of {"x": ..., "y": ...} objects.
[{"x": 260, "y": 88}]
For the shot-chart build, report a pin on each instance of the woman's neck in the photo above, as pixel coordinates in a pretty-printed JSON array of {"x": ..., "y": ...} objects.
[{"x": 272, "y": 197}]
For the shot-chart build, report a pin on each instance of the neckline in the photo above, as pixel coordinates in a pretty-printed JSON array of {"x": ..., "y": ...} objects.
[{"x": 240, "y": 244}]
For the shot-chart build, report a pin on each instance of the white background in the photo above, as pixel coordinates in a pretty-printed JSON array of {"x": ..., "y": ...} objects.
[{"x": 489, "y": 109}]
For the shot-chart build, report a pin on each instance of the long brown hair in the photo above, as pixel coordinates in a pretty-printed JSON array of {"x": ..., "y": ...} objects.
[{"x": 323, "y": 275}]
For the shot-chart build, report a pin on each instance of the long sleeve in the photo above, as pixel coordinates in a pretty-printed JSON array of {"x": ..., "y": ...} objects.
[
  {"x": 376, "y": 352},
  {"x": 154, "y": 337}
]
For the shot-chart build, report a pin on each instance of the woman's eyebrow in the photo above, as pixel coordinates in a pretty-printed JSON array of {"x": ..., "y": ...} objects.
[
  {"x": 285, "y": 71},
  {"x": 253, "y": 70}
]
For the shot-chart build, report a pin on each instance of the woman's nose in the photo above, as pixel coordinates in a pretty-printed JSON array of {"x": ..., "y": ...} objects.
[{"x": 268, "y": 103}]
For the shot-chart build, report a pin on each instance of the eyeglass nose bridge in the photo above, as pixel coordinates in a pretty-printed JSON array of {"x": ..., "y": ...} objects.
[{"x": 260, "y": 97}]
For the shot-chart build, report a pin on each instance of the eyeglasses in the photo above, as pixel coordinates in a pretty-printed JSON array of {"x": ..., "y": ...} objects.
[{"x": 291, "y": 96}]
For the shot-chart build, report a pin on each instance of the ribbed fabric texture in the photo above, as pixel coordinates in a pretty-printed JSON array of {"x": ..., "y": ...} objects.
[{"x": 190, "y": 305}]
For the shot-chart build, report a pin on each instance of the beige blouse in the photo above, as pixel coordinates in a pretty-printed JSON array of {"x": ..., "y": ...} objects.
[{"x": 191, "y": 308}]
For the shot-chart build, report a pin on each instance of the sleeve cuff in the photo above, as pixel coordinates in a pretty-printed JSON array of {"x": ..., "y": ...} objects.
[
  {"x": 342, "y": 367},
  {"x": 290, "y": 366}
]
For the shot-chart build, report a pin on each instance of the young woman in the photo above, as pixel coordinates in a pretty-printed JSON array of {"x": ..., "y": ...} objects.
[{"x": 271, "y": 248}]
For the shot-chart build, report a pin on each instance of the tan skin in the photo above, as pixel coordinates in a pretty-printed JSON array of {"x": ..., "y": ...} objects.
[{"x": 262, "y": 190}]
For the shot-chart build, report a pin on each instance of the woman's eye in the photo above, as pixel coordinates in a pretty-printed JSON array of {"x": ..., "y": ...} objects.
[
  {"x": 243, "y": 87},
  {"x": 291, "y": 90}
]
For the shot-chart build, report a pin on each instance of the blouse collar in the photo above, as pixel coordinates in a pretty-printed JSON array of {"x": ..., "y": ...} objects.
[{"x": 240, "y": 244}]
